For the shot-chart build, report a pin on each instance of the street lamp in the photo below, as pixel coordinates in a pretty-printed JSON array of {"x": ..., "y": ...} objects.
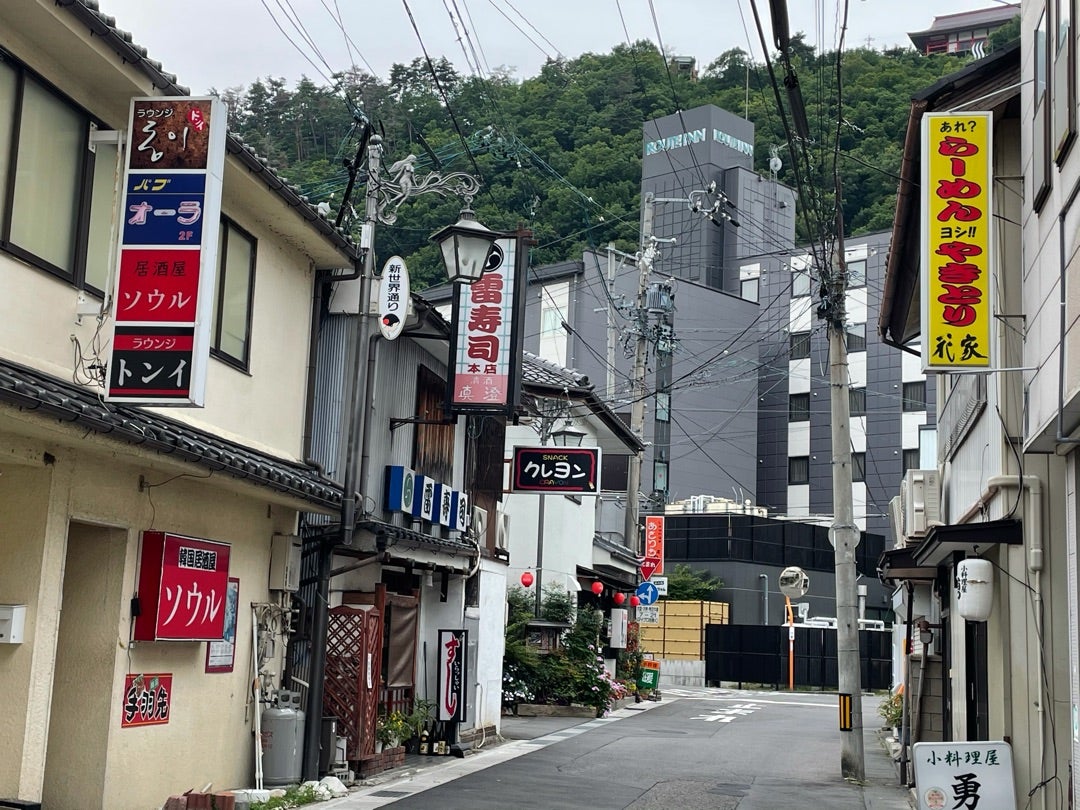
[
  {"x": 568, "y": 436},
  {"x": 465, "y": 247}
]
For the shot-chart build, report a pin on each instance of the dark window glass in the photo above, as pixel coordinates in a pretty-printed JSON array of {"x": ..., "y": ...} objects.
[
  {"x": 856, "y": 337},
  {"x": 799, "y": 470},
  {"x": 858, "y": 467},
  {"x": 915, "y": 396},
  {"x": 911, "y": 460},
  {"x": 231, "y": 329},
  {"x": 800, "y": 345},
  {"x": 799, "y": 407},
  {"x": 857, "y": 400}
]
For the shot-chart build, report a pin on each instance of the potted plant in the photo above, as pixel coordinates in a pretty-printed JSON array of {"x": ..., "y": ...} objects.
[
  {"x": 418, "y": 719},
  {"x": 892, "y": 709},
  {"x": 392, "y": 729}
]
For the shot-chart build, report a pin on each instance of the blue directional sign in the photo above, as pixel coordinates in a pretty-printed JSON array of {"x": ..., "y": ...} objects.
[{"x": 647, "y": 593}]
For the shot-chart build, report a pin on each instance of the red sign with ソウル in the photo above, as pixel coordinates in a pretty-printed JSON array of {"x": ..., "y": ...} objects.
[{"x": 183, "y": 585}]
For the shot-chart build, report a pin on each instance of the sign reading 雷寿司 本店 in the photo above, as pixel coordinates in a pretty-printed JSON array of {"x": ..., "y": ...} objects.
[
  {"x": 485, "y": 351},
  {"x": 168, "y": 251},
  {"x": 957, "y": 239}
]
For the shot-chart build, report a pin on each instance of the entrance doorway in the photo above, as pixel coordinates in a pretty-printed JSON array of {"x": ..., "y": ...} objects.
[{"x": 81, "y": 716}]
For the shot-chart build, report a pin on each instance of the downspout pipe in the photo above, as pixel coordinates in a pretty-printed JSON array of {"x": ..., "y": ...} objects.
[
  {"x": 357, "y": 427},
  {"x": 1035, "y": 556}
]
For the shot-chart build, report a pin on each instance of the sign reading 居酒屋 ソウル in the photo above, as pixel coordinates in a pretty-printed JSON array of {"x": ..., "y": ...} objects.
[
  {"x": 183, "y": 587},
  {"x": 957, "y": 241}
]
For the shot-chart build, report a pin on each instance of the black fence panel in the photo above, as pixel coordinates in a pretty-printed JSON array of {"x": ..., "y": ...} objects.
[{"x": 752, "y": 653}]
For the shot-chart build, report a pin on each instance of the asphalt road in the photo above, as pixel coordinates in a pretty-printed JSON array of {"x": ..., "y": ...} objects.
[{"x": 709, "y": 748}]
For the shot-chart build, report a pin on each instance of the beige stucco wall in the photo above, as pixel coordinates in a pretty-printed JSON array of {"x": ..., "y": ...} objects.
[{"x": 208, "y": 737}]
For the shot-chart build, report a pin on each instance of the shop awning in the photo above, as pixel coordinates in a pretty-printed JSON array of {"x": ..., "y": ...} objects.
[
  {"x": 943, "y": 541},
  {"x": 898, "y": 565}
]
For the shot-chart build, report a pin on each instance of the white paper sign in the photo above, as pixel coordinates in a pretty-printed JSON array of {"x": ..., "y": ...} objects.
[
  {"x": 660, "y": 583},
  {"x": 648, "y": 614}
]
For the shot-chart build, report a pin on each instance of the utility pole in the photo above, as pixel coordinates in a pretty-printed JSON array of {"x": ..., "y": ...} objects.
[
  {"x": 843, "y": 533},
  {"x": 637, "y": 391}
]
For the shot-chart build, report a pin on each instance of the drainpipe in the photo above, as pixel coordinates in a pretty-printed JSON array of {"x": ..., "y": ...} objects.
[
  {"x": 1033, "y": 518},
  {"x": 356, "y": 414},
  {"x": 764, "y": 598}
]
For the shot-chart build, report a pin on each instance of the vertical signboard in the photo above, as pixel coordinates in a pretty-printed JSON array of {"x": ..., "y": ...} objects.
[
  {"x": 167, "y": 257},
  {"x": 452, "y": 672},
  {"x": 485, "y": 355},
  {"x": 957, "y": 238},
  {"x": 183, "y": 587},
  {"x": 654, "y": 546}
]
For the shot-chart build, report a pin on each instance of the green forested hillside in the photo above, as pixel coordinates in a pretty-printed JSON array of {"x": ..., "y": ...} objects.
[{"x": 560, "y": 152}]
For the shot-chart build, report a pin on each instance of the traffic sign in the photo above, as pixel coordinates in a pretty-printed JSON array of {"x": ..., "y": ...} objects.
[
  {"x": 648, "y": 566},
  {"x": 660, "y": 583},
  {"x": 648, "y": 614},
  {"x": 647, "y": 593}
]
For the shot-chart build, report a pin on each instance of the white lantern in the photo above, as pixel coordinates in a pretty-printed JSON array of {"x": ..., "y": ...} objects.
[{"x": 974, "y": 585}]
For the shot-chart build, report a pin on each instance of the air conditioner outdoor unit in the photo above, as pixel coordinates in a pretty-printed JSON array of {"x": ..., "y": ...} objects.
[
  {"x": 479, "y": 523},
  {"x": 920, "y": 494},
  {"x": 502, "y": 531}
]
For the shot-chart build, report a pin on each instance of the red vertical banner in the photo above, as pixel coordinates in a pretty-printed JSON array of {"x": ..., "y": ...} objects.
[{"x": 654, "y": 546}]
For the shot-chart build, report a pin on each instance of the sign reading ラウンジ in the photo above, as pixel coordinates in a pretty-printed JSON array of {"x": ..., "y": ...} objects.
[
  {"x": 168, "y": 251},
  {"x": 958, "y": 219}
]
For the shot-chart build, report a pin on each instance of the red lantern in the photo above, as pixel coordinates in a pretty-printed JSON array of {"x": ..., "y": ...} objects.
[
  {"x": 527, "y": 578},
  {"x": 598, "y": 588},
  {"x": 634, "y": 601},
  {"x": 619, "y": 598}
]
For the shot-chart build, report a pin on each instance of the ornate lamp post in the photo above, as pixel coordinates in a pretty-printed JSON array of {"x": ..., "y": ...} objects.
[{"x": 465, "y": 247}]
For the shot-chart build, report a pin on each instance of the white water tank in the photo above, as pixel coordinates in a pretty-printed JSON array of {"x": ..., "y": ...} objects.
[{"x": 283, "y": 741}]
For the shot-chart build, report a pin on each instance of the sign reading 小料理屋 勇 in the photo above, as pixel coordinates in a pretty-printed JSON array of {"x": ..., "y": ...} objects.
[
  {"x": 957, "y": 240},
  {"x": 168, "y": 251},
  {"x": 964, "y": 774}
]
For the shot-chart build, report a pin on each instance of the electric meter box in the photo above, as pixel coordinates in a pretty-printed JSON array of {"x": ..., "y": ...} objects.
[
  {"x": 285, "y": 563},
  {"x": 12, "y": 623}
]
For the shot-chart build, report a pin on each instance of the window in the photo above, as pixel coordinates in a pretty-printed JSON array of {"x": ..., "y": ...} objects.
[
  {"x": 749, "y": 289},
  {"x": 47, "y": 178},
  {"x": 799, "y": 470},
  {"x": 857, "y": 401},
  {"x": 800, "y": 283},
  {"x": 915, "y": 396},
  {"x": 856, "y": 273},
  {"x": 230, "y": 337},
  {"x": 800, "y": 345},
  {"x": 858, "y": 467},
  {"x": 856, "y": 337},
  {"x": 799, "y": 408},
  {"x": 1064, "y": 82},
  {"x": 663, "y": 406},
  {"x": 1040, "y": 137},
  {"x": 910, "y": 461}
]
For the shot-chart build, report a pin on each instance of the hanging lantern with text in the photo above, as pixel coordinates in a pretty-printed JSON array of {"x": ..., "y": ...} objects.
[{"x": 974, "y": 585}]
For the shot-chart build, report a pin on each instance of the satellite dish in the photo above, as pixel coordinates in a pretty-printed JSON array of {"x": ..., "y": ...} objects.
[{"x": 794, "y": 583}]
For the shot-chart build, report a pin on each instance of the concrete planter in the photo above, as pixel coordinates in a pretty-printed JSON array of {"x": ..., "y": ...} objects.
[
  {"x": 545, "y": 710},
  {"x": 618, "y": 704}
]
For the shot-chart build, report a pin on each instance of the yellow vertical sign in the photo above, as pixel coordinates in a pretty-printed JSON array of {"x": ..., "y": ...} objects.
[{"x": 957, "y": 240}]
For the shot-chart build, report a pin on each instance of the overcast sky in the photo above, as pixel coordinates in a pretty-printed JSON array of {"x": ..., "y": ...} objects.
[{"x": 226, "y": 43}]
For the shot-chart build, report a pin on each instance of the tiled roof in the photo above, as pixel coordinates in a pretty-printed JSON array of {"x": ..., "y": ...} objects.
[
  {"x": 104, "y": 26},
  {"x": 31, "y": 390},
  {"x": 538, "y": 371},
  {"x": 390, "y": 535}
]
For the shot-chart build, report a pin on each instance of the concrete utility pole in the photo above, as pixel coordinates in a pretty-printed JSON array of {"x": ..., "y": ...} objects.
[
  {"x": 637, "y": 377},
  {"x": 844, "y": 534}
]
